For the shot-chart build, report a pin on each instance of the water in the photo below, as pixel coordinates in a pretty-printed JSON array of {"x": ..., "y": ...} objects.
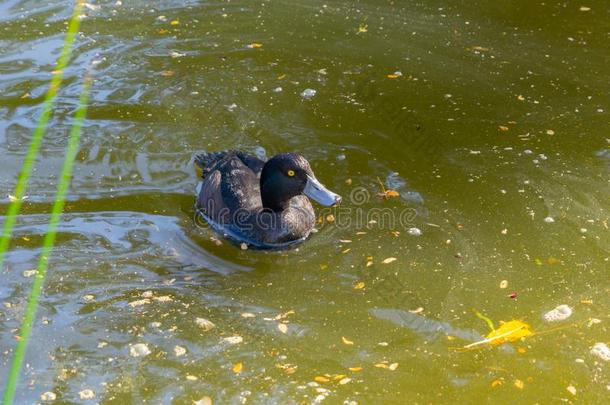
[{"x": 494, "y": 117}]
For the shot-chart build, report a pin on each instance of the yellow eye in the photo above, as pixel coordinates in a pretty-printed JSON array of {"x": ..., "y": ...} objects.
[{"x": 290, "y": 173}]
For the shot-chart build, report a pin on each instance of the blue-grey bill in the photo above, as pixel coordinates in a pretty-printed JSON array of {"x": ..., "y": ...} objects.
[{"x": 316, "y": 191}]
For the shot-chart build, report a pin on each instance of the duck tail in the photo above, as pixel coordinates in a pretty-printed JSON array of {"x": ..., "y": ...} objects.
[{"x": 206, "y": 160}]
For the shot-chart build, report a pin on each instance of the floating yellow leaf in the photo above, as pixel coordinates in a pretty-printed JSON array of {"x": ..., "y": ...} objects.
[
  {"x": 168, "y": 73},
  {"x": 509, "y": 332},
  {"x": 163, "y": 31},
  {"x": 255, "y": 45},
  {"x": 320, "y": 378},
  {"x": 346, "y": 341},
  {"x": 355, "y": 369},
  {"x": 363, "y": 28},
  {"x": 175, "y": 22},
  {"x": 238, "y": 367},
  {"x": 389, "y": 260},
  {"x": 496, "y": 383},
  {"x": 282, "y": 327},
  {"x": 359, "y": 285},
  {"x": 519, "y": 384}
]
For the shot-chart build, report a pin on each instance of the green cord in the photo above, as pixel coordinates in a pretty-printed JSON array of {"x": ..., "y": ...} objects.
[
  {"x": 47, "y": 245},
  {"x": 32, "y": 153}
]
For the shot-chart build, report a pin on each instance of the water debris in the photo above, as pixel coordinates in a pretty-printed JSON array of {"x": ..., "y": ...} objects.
[
  {"x": 204, "y": 401},
  {"x": 48, "y": 396},
  {"x": 89, "y": 298},
  {"x": 571, "y": 389},
  {"x": 359, "y": 285},
  {"x": 308, "y": 93},
  {"x": 167, "y": 73},
  {"x": 176, "y": 54},
  {"x": 247, "y": 315},
  {"x": 414, "y": 231},
  {"x": 346, "y": 341},
  {"x": 233, "y": 340},
  {"x": 238, "y": 367},
  {"x": 254, "y": 45},
  {"x": 519, "y": 384},
  {"x": 549, "y": 220},
  {"x": 86, "y": 394},
  {"x": 205, "y": 324},
  {"x": 355, "y": 369},
  {"x": 387, "y": 365},
  {"x": 139, "y": 350},
  {"x": 386, "y": 193},
  {"x": 559, "y": 313},
  {"x": 138, "y": 303},
  {"x": 394, "y": 75},
  {"x": 503, "y": 284},
  {"x": 601, "y": 351},
  {"x": 29, "y": 273},
  {"x": 389, "y": 260},
  {"x": 345, "y": 380},
  {"x": 179, "y": 351},
  {"x": 418, "y": 310},
  {"x": 510, "y": 331},
  {"x": 362, "y": 28},
  {"x": 282, "y": 327},
  {"x": 550, "y": 132},
  {"x": 503, "y": 128},
  {"x": 585, "y": 8}
]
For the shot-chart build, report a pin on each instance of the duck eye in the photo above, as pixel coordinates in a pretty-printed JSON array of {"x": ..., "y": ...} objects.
[{"x": 290, "y": 173}]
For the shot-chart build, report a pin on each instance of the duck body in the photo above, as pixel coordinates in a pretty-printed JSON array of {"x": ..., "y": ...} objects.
[{"x": 262, "y": 204}]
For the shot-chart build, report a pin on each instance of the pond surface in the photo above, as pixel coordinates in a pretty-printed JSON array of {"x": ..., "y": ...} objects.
[{"x": 489, "y": 118}]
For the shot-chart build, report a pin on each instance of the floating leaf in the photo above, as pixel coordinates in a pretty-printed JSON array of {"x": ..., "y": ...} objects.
[
  {"x": 255, "y": 45},
  {"x": 359, "y": 285},
  {"x": 238, "y": 367},
  {"x": 320, "y": 378},
  {"x": 389, "y": 260},
  {"x": 346, "y": 341},
  {"x": 282, "y": 327},
  {"x": 355, "y": 369},
  {"x": 362, "y": 28},
  {"x": 519, "y": 384}
]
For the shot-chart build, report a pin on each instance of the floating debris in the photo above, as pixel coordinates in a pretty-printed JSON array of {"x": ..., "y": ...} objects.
[
  {"x": 86, "y": 394},
  {"x": 308, "y": 93},
  {"x": 179, "y": 351},
  {"x": 48, "y": 396},
  {"x": 205, "y": 324},
  {"x": 414, "y": 231},
  {"x": 139, "y": 350},
  {"x": 559, "y": 313},
  {"x": 282, "y": 327},
  {"x": 549, "y": 220},
  {"x": 389, "y": 260},
  {"x": 233, "y": 340},
  {"x": 601, "y": 351}
]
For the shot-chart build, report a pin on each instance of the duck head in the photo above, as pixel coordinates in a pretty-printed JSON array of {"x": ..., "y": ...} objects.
[{"x": 287, "y": 175}]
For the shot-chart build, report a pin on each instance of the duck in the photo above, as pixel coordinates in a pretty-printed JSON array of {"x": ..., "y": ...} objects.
[{"x": 264, "y": 204}]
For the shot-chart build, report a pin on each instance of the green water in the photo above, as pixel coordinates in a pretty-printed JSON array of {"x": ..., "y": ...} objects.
[{"x": 497, "y": 122}]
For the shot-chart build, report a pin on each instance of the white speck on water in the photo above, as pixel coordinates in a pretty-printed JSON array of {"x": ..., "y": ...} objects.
[
  {"x": 231, "y": 107},
  {"x": 179, "y": 351},
  {"x": 341, "y": 157},
  {"x": 549, "y": 220},
  {"x": 48, "y": 396},
  {"x": 86, "y": 394},
  {"x": 542, "y": 156},
  {"x": 528, "y": 152},
  {"x": 308, "y": 93},
  {"x": 583, "y": 230},
  {"x": 139, "y": 350},
  {"x": 559, "y": 313},
  {"x": 205, "y": 324},
  {"x": 414, "y": 231},
  {"x": 601, "y": 351},
  {"x": 233, "y": 340},
  {"x": 278, "y": 90}
]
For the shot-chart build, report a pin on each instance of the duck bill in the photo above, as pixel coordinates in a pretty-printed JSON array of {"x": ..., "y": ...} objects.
[{"x": 316, "y": 191}]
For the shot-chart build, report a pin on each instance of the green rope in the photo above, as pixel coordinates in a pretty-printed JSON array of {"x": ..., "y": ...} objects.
[
  {"x": 47, "y": 245},
  {"x": 32, "y": 153}
]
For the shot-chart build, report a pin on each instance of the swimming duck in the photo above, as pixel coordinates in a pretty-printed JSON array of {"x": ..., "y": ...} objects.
[{"x": 262, "y": 204}]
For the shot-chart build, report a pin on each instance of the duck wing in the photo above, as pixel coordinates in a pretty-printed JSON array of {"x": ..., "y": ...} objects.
[{"x": 230, "y": 185}]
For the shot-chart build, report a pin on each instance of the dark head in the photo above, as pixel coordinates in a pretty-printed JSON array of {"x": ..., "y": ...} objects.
[{"x": 287, "y": 175}]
